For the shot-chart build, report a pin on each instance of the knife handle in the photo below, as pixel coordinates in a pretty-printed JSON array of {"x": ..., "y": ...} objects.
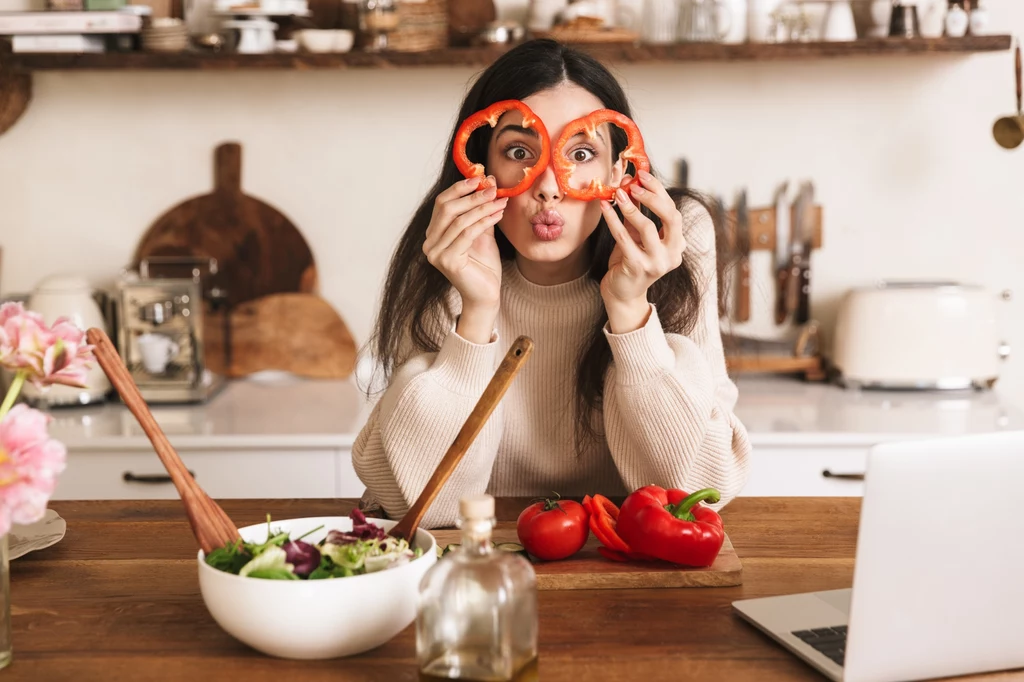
[
  {"x": 803, "y": 306},
  {"x": 793, "y": 282},
  {"x": 743, "y": 291},
  {"x": 780, "y": 299}
]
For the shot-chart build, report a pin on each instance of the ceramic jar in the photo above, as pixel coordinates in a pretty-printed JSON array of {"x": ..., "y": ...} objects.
[{"x": 68, "y": 296}]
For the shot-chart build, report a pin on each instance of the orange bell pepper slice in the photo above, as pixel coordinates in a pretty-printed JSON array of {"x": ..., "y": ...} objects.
[
  {"x": 564, "y": 167},
  {"x": 490, "y": 116}
]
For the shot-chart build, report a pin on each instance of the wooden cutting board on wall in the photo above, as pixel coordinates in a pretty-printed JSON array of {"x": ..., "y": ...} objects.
[
  {"x": 299, "y": 333},
  {"x": 259, "y": 251},
  {"x": 276, "y": 319}
]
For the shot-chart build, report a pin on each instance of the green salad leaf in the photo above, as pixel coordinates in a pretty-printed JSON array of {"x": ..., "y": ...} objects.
[
  {"x": 366, "y": 549},
  {"x": 328, "y": 569},
  {"x": 271, "y": 563},
  {"x": 230, "y": 558}
]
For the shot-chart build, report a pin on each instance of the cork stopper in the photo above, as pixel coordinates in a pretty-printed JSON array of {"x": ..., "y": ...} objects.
[{"x": 476, "y": 507}]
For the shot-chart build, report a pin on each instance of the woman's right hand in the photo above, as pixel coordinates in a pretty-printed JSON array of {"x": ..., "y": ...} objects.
[{"x": 460, "y": 243}]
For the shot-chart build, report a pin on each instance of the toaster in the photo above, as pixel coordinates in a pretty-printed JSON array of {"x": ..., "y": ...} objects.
[{"x": 918, "y": 335}]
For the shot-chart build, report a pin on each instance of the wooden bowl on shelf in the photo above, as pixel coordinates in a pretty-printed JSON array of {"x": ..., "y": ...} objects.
[{"x": 589, "y": 30}]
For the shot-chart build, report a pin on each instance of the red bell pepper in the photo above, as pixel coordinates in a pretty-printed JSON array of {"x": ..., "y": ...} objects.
[
  {"x": 603, "y": 520},
  {"x": 672, "y": 526},
  {"x": 490, "y": 116},
  {"x": 564, "y": 167}
]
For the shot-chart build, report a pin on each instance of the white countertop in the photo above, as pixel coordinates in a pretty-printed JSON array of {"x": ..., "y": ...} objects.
[
  {"x": 783, "y": 412},
  {"x": 297, "y": 413},
  {"x": 244, "y": 414}
]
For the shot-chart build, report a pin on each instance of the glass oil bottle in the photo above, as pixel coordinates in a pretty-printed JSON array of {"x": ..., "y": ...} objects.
[{"x": 477, "y": 611}]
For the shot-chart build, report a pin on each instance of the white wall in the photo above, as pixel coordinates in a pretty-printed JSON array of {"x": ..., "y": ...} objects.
[{"x": 900, "y": 149}]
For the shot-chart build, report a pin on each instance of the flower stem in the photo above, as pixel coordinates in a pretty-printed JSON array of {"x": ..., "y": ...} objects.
[{"x": 12, "y": 393}]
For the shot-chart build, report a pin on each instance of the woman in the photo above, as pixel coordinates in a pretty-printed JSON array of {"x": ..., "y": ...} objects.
[{"x": 626, "y": 385}]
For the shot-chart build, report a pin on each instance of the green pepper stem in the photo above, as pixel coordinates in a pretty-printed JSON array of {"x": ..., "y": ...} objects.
[{"x": 682, "y": 510}]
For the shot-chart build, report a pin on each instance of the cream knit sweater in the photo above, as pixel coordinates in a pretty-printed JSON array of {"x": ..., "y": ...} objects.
[{"x": 667, "y": 414}]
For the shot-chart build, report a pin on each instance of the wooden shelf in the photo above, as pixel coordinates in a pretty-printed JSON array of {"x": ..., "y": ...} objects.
[{"x": 479, "y": 57}]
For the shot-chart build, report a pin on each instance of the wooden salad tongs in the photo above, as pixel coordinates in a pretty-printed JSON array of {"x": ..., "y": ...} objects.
[
  {"x": 210, "y": 524},
  {"x": 502, "y": 379}
]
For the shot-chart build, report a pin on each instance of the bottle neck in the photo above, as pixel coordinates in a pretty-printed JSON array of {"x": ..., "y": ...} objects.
[{"x": 476, "y": 535}]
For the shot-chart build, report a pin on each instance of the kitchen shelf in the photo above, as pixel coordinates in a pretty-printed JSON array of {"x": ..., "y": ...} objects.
[
  {"x": 482, "y": 56},
  {"x": 16, "y": 69}
]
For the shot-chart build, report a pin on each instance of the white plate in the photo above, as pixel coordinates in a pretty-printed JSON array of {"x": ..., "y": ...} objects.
[{"x": 39, "y": 535}]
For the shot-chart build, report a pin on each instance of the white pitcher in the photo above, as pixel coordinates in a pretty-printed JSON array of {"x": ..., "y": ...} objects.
[{"x": 68, "y": 296}]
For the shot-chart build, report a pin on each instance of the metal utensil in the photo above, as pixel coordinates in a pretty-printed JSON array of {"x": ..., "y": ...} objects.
[
  {"x": 684, "y": 173},
  {"x": 798, "y": 263},
  {"x": 783, "y": 249},
  {"x": 502, "y": 379},
  {"x": 722, "y": 242},
  {"x": 796, "y": 266},
  {"x": 803, "y": 274},
  {"x": 743, "y": 248},
  {"x": 1009, "y": 130}
]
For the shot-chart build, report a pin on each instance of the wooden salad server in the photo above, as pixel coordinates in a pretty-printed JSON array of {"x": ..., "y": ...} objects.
[
  {"x": 210, "y": 524},
  {"x": 502, "y": 379}
]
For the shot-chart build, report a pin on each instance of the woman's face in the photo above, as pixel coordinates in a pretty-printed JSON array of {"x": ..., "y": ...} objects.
[{"x": 543, "y": 225}]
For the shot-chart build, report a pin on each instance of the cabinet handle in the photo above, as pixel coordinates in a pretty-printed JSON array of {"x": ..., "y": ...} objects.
[
  {"x": 827, "y": 473},
  {"x": 129, "y": 477}
]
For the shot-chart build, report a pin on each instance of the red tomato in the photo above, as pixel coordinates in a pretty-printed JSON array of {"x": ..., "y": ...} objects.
[{"x": 553, "y": 529}]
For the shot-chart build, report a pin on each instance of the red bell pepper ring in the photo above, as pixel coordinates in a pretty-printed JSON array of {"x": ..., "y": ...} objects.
[
  {"x": 602, "y": 523},
  {"x": 672, "y": 526},
  {"x": 490, "y": 116},
  {"x": 564, "y": 167},
  {"x": 612, "y": 555},
  {"x": 603, "y": 520}
]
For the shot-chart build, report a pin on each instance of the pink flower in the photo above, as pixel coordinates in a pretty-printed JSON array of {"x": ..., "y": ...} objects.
[
  {"x": 57, "y": 355},
  {"x": 66, "y": 361},
  {"x": 20, "y": 331},
  {"x": 30, "y": 462}
]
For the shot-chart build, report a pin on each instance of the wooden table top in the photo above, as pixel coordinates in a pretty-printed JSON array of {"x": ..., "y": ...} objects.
[{"x": 118, "y": 599}]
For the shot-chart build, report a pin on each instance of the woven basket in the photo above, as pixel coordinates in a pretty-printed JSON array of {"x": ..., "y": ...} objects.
[{"x": 422, "y": 26}]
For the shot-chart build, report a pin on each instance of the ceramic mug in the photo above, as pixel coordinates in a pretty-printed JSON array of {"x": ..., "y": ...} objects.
[{"x": 157, "y": 350}]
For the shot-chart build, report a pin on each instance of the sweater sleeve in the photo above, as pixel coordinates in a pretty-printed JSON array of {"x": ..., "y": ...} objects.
[
  {"x": 415, "y": 421},
  {"x": 668, "y": 404}
]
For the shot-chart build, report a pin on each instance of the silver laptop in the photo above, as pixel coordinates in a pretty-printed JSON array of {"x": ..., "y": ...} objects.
[{"x": 938, "y": 583}]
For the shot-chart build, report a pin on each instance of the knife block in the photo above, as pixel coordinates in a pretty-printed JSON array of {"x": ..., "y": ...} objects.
[
  {"x": 762, "y": 228},
  {"x": 762, "y": 238}
]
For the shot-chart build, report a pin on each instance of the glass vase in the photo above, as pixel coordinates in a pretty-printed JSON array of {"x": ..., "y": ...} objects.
[{"x": 5, "y": 603}]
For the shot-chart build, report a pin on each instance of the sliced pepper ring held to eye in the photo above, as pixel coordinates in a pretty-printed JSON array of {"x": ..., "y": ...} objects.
[
  {"x": 490, "y": 116},
  {"x": 564, "y": 167}
]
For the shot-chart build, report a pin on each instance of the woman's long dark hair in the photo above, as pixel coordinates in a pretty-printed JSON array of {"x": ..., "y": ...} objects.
[{"x": 415, "y": 303}]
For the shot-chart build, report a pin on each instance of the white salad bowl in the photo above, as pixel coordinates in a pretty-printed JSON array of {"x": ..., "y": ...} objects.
[{"x": 316, "y": 619}]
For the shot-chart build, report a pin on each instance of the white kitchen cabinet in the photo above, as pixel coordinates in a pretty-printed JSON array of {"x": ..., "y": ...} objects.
[
  {"x": 223, "y": 473},
  {"x": 801, "y": 472},
  {"x": 294, "y": 439}
]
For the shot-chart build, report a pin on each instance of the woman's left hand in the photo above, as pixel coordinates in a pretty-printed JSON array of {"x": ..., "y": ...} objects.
[{"x": 642, "y": 254}]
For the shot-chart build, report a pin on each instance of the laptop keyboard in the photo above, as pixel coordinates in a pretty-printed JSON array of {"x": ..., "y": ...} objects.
[{"x": 830, "y": 642}]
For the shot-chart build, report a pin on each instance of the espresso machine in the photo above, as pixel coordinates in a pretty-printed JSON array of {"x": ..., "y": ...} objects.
[{"x": 160, "y": 328}]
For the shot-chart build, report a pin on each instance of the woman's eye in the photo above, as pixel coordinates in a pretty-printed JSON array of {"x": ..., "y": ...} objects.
[
  {"x": 581, "y": 155},
  {"x": 517, "y": 153}
]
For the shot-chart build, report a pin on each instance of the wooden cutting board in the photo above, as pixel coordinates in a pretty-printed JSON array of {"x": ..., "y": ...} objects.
[
  {"x": 588, "y": 570},
  {"x": 15, "y": 94},
  {"x": 298, "y": 333},
  {"x": 258, "y": 250}
]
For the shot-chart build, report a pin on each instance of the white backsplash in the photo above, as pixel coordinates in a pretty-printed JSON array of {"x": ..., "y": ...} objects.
[{"x": 903, "y": 159}]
